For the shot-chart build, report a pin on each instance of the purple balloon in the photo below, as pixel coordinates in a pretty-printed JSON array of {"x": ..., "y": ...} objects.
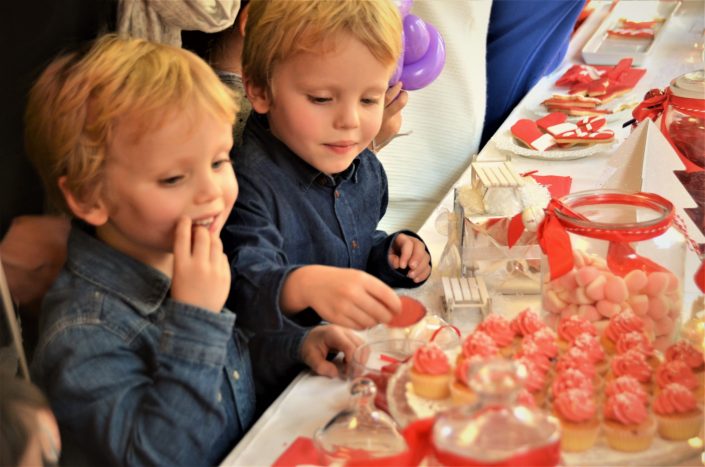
[
  {"x": 417, "y": 39},
  {"x": 400, "y": 64},
  {"x": 422, "y": 72},
  {"x": 404, "y": 6}
]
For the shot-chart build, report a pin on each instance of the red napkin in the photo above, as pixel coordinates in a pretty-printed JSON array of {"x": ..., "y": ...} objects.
[{"x": 557, "y": 185}]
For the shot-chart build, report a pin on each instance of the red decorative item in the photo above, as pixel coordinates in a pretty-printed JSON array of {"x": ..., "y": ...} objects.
[
  {"x": 412, "y": 311},
  {"x": 681, "y": 108}
]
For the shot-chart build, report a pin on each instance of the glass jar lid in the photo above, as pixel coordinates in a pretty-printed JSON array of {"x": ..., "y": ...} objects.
[{"x": 690, "y": 85}]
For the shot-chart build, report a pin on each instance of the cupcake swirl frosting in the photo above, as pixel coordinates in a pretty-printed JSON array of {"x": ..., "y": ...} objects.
[
  {"x": 634, "y": 340},
  {"x": 629, "y": 384},
  {"x": 626, "y": 409},
  {"x": 591, "y": 346},
  {"x": 498, "y": 328},
  {"x": 675, "y": 399},
  {"x": 632, "y": 363},
  {"x": 535, "y": 378},
  {"x": 682, "y": 350},
  {"x": 676, "y": 371},
  {"x": 575, "y": 405},
  {"x": 479, "y": 343},
  {"x": 623, "y": 323},
  {"x": 526, "y": 322},
  {"x": 576, "y": 359},
  {"x": 530, "y": 349},
  {"x": 430, "y": 360},
  {"x": 571, "y": 378},
  {"x": 572, "y": 326}
]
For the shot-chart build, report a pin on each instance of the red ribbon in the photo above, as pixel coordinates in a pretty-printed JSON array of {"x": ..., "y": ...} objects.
[
  {"x": 658, "y": 105},
  {"x": 559, "y": 220}
]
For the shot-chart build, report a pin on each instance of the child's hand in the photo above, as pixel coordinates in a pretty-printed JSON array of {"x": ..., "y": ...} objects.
[
  {"x": 201, "y": 272},
  {"x": 348, "y": 297},
  {"x": 410, "y": 252},
  {"x": 394, "y": 101},
  {"x": 324, "y": 339}
]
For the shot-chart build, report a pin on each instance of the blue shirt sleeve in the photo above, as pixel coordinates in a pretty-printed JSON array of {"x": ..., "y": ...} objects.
[
  {"x": 108, "y": 394},
  {"x": 527, "y": 39}
]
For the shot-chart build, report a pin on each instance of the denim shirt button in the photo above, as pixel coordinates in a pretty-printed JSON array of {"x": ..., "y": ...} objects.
[
  {"x": 354, "y": 244},
  {"x": 236, "y": 375},
  {"x": 337, "y": 194},
  {"x": 219, "y": 397}
]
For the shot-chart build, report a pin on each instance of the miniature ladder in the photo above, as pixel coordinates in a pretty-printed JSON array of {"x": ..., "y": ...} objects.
[
  {"x": 464, "y": 293},
  {"x": 496, "y": 174}
]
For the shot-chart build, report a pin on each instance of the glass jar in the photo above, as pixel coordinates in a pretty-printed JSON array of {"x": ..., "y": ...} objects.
[
  {"x": 684, "y": 116},
  {"x": 360, "y": 432},
  {"x": 610, "y": 251},
  {"x": 496, "y": 430}
]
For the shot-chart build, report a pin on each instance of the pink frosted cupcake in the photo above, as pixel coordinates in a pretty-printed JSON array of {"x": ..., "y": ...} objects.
[
  {"x": 591, "y": 346},
  {"x": 577, "y": 413},
  {"x": 477, "y": 344},
  {"x": 431, "y": 373},
  {"x": 536, "y": 382},
  {"x": 628, "y": 425},
  {"x": 499, "y": 329},
  {"x": 531, "y": 350},
  {"x": 620, "y": 324},
  {"x": 544, "y": 341},
  {"x": 460, "y": 391},
  {"x": 693, "y": 357},
  {"x": 675, "y": 371},
  {"x": 577, "y": 359},
  {"x": 637, "y": 341},
  {"x": 677, "y": 412},
  {"x": 571, "y": 327},
  {"x": 571, "y": 379},
  {"x": 525, "y": 323},
  {"x": 632, "y": 363},
  {"x": 629, "y": 384}
]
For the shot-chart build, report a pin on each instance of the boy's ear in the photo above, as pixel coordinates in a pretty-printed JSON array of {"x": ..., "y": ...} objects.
[
  {"x": 242, "y": 19},
  {"x": 258, "y": 97},
  {"x": 93, "y": 211}
]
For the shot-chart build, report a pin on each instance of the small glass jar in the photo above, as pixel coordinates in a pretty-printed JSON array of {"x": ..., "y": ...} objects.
[
  {"x": 496, "y": 430},
  {"x": 359, "y": 433},
  {"x": 684, "y": 116},
  {"x": 622, "y": 253}
]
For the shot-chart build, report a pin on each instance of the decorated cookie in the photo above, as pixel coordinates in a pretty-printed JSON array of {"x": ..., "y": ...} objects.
[
  {"x": 624, "y": 33},
  {"x": 528, "y": 133}
]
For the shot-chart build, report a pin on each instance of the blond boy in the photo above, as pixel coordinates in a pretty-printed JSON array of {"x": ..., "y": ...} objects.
[
  {"x": 141, "y": 362},
  {"x": 303, "y": 238}
]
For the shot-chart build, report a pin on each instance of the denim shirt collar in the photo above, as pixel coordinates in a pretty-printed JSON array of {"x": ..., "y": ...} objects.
[
  {"x": 138, "y": 284},
  {"x": 306, "y": 174}
]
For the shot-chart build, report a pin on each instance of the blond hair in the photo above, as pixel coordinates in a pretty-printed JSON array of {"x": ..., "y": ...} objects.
[
  {"x": 78, "y": 100},
  {"x": 279, "y": 29}
]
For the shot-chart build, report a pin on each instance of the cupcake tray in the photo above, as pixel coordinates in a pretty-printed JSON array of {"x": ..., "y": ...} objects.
[{"x": 405, "y": 407}]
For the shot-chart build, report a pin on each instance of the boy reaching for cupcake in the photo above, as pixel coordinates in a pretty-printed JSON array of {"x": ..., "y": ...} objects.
[
  {"x": 302, "y": 239},
  {"x": 141, "y": 362}
]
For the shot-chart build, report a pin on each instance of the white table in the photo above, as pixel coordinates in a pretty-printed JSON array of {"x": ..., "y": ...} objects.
[{"x": 310, "y": 401}]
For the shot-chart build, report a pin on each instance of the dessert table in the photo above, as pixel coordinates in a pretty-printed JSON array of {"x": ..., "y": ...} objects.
[{"x": 310, "y": 401}]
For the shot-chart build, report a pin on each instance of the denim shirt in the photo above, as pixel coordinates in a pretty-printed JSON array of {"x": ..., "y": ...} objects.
[
  {"x": 135, "y": 378},
  {"x": 289, "y": 214}
]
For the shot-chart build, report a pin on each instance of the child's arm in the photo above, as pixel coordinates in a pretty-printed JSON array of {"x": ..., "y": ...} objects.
[{"x": 348, "y": 297}]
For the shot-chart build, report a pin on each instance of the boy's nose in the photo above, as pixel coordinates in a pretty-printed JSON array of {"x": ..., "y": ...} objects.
[
  {"x": 347, "y": 117},
  {"x": 207, "y": 189}
]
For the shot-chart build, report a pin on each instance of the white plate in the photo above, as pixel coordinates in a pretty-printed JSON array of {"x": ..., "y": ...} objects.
[
  {"x": 506, "y": 142},
  {"x": 604, "y": 50}
]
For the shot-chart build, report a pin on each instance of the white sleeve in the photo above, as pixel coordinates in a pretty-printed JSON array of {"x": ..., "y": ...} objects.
[{"x": 445, "y": 118}]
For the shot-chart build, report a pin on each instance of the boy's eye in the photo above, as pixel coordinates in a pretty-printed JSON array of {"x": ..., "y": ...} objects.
[
  {"x": 221, "y": 163},
  {"x": 170, "y": 181},
  {"x": 319, "y": 100},
  {"x": 370, "y": 101}
]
